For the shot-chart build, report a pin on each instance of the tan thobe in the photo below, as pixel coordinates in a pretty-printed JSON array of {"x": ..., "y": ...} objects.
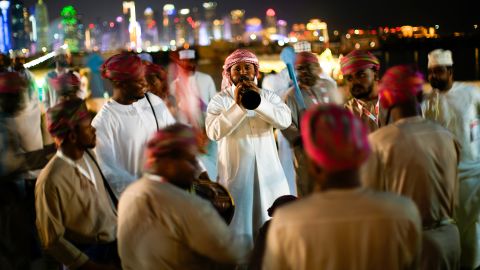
[
  {"x": 323, "y": 92},
  {"x": 417, "y": 158},
  {"x": 72, "y": 208},
  {"x": 161, "y": 226},
  {"x": 345, "y": 229}
]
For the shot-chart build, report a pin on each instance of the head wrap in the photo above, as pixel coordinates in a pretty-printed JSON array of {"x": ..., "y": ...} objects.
[
  {"x": 169, "y": 140},
  {"x": 64, "y": 116},
  {"x": 358, "y": 60},
  {"x": 66, "y": 84},
  {"x": 440, "y": 57},
  {"x": 186, "y": 54},
  {"x": 123, "y": 67},
  {"x": 305, "y": 58},
  {"x": 280, "y": 201},
  {"x": 399, "y": 84},
  {"x": 154, "y": 69},
  {"x": 11, "y": 83},
  {"x": 334, "y": 138},
  {"x": 238, "y": 56}
]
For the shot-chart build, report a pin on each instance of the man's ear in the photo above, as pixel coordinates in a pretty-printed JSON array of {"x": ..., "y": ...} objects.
[{"x": 72, "y": 136}]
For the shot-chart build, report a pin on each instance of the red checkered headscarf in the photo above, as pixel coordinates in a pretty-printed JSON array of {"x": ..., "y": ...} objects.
[
  {"x": 238, "y": 56},
  {"x": 358, "y": 60},
  {"x": 123, "y": 67},
  {"x": 305, "y": 58},
  {"x": 11, "y": 83},
  {"x": 66, "y": 84},
  {"x": 334, "y": 138},
  {"x": 169, "y": 140},
  {"x": 399, "y": 84},
  {"x": 64, "y": 116}
]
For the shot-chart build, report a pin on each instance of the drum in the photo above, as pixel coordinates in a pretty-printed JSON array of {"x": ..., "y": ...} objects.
[{"x": 217, "y": 195}]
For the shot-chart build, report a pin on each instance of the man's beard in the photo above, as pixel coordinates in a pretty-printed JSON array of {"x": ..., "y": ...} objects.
[
  {"x": 308, "y": 80},
  {"x": 441, "y": 85},
  {"x": 359, "y": 92}
]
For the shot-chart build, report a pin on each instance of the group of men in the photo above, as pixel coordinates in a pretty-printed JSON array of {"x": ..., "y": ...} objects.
[{"x": 380, "y": 186}]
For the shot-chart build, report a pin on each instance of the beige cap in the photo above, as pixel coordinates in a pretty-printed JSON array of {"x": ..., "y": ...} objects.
[
  {"x": 440, "y": 57},
  {"x": 186, "y": 54}
]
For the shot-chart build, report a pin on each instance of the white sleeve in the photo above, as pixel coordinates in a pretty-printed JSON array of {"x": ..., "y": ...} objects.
[
  {"x": 221, "y": 121},
  {"x": 274, "y": 111},
  {"x": 117, "y": 177}
]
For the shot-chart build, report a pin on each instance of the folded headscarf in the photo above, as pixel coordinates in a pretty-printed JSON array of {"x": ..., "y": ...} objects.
[
  {"x": 64, "y": 116},
  {"x": 238, "y": 56},
  {"x": 334, "y": 138},
  {"x": 66, "y": 84},
  {"x": 154, "y": 69},
  {"x": 11, "y": 83},
  {"x": 399, "y": 84},
  {"x": 305, "y": 58},
  {"x": 168, "y": 140},
  {"x": 123, "y": 67},
  {"x": 358, "y": 60}
]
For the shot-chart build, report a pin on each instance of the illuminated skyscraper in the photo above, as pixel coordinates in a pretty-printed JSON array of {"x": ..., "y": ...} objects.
[
  {"x": 237, "y": 26},
  {"x": 150, "y": 29},
  {"x": 270, "y": 24},
  {"x": 41, "y": 18},
  {"x": 5, "y": 42},
  {"x": 209, "y": 8},
  {"x": 19, "y": 25},
  {"x": 168, "y": 27}
]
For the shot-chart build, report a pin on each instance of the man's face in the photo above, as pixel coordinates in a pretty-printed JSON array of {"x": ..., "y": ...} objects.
[
  {"x": 134, "y": 89},
  {"x": 189, "y": 65},
  {"x": 180, "y": 169},
  {"x": 86, "y": 137},
  {"x": 18, "y": 63},
  {"x": 308, "y": 73},
  {"x": 242, "y": 71},
  {"x": 11, "y": 104},
  {"x": 361, "y": 83},
  {"x": 440, "y": 77},
  {"x": 155, "y": 85}
]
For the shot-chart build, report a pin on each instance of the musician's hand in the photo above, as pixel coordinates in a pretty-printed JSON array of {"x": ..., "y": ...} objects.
[
  {"x": 238, "y": 96},
  {"x": 251, "y": 85}
]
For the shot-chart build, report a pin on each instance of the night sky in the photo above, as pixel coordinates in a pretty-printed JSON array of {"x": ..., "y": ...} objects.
[{"x": 456, "y": 16}]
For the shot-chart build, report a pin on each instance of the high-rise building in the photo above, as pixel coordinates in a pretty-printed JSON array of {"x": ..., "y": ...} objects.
[
  {"x": 184, "y": 27},
  {"x": 270, "y": 24},
  {"x": 150, "y": 29},
  {"x": 209, "y": 9},
  {"x": 41, "y": 18},
  {"x": 168, "y": 27},
  {"x": 70, "y": 31},
  {"x": 237, "y": 25},
  {"x": 5, "y": 31},
  {"x": 19, "y": 25},
  {"x": 133, "y": 25}
]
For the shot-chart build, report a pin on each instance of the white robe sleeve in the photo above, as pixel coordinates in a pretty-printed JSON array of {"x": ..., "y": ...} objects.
[
  {"x": 221, "y": 121},
  {"x": 274, "y": 111},
  {"x": 117, "y": 177}
]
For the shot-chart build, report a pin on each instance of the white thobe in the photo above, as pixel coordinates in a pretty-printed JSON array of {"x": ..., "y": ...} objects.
[
  {"x": 161, "y": 226},
  {"x": 193, "y": 95},
  {"x": 345, "y": 229},
  {"x": 248, "y": 163},
  {"x": 459, "y": 111},
  {"x": 122, "y": 134}
]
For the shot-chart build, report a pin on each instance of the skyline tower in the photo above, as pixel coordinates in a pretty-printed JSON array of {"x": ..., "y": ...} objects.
[{"x": 41, "y": 18}]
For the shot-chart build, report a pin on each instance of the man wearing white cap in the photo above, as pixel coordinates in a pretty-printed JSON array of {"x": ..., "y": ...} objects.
[
  {"x": 456, "y": 106},
  {"x": 193, "y": 90}
]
